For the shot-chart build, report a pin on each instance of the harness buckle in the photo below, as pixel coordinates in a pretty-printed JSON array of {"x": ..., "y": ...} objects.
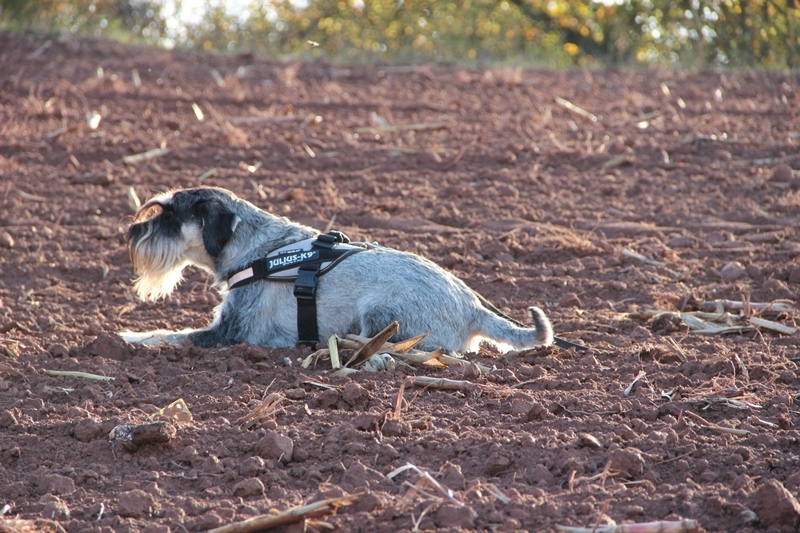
[
  {"x": 331, "y": 239},
  {"x": 305, "y": 286}
]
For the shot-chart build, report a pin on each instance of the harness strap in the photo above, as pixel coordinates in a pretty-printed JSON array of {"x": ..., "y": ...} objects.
[{"x": 305, "y": 291}]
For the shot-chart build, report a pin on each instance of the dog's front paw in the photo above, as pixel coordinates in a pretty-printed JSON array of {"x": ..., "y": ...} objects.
[{"x": 150, "y": 338}]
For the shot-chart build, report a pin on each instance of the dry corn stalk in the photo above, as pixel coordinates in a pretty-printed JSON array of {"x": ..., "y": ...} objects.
[
  {"x": 445, "y": 384},
  {"x": 373, "y": 345},
  {"x": 264, "y": 411},
  {"x": 679, "y": 526},
  {"x": 290, "y": 516}
]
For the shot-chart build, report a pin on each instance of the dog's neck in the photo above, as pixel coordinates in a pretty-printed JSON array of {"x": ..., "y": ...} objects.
[{"x": 255, "y": 237}]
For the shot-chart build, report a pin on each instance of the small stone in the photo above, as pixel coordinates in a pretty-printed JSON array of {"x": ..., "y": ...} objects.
[
  {"x": 248, "y": 488},
  {"x": 357, "y": 475},
  {"x": 775, "y": 505},
  {"x": 520, "y": 406},
  {"x": 54, "y": 508},
  {"x": 794, "y": 275},
  {"x": 395, "y": 428},
  {"x": 456, "y": 517},
  {"x": 452, "y": 477},
  {"x": 251, "y": 467},
  {"x": 782, "y": 174},
  {"x": 87, "y": 429},
  {"x": 496, "y": 463},
  {"x": 629, "y": 461},
  {"x": 135, "y": 503},
  {"x": 58, "y": 350},
  {"x": 570, "y": 299},
  {"x": 275, "y": 446},
  {"x": 733, "y": 271},
  {"x": 589, "y": 441},
  {"x": 7, "y": 419},
  {"x": 354, "y": 394},
  {"x": 537, "y": 474},
  {"x": 365, "y": 422},
  {"x": 55, "y": 484},
  {"x": 6, "y": 240}
]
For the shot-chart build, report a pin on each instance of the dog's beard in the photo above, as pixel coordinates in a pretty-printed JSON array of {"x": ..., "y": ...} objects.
[{"x": 158, "y": 263}]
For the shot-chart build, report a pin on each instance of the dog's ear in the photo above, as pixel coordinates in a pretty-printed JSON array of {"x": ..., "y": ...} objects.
[{"x": 218, "y": 225}]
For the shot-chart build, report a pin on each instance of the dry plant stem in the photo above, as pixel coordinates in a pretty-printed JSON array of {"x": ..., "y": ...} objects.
[
  {"x": 444, "y": 491},
  {"x": 636, "y": 255},
  {"x": 774, "y": 326},
  {"x": 398, "y": 404},
  {"x": 681, "y": 526},
  {"x": 629, "y": 389},
  {"x": 403, "y": 127},
  {"x": 333, "y": 349},
  {"x": 719, "y": 429},
  {"x": 290, "y": 516},
  {"x": 406, "y": 345},
  {"x": 85, "y": 375},
  {"x": 144, "y": 156},
  {"x": 264, "y": 410},
  {"x": 444, "y": 383},
  {"x": 566, "y": 104},
  {"x": 778, "y": 306}
]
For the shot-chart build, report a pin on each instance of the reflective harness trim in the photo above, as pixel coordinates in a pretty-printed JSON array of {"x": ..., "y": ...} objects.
[{"x": 302, "y": 262}]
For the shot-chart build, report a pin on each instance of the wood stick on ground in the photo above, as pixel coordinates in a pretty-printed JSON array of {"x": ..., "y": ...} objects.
[
  {"x": 678, "y": 526},
  {"x": 373, "y": 345},
  {"x": 444, "y": 383},
  {"x": 290, "y": 516}
]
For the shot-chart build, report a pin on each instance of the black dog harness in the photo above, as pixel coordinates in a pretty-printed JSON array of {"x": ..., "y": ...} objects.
[{"x": 302, "y": 262}]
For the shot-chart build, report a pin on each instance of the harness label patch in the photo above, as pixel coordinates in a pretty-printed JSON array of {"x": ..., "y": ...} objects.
[{"x": 287, "y": 260}]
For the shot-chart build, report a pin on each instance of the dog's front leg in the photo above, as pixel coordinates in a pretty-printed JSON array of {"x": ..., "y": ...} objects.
[{"x": 158, "y": 336}]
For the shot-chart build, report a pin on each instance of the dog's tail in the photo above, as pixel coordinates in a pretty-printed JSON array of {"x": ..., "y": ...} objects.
[{"x": 500, "y": 327}]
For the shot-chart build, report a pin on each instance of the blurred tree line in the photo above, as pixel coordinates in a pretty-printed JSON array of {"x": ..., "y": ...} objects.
[{"x": 555, "y": 33}]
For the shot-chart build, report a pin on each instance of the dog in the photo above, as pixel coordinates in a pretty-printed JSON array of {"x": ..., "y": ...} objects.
[{"x": 211, "y": 228}]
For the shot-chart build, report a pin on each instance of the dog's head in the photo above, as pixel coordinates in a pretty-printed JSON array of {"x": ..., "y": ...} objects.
[{"x": 177, "y": 229}]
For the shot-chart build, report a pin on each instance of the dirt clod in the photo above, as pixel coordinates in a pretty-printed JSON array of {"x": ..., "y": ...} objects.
[{"x": 135, "y": 503}]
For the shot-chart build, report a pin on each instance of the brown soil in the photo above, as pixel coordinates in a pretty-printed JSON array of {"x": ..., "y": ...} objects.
[{"x": 526, "y": 200}]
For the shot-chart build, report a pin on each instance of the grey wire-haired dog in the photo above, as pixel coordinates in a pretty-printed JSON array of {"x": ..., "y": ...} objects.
[{"x": 215, "y": 230}]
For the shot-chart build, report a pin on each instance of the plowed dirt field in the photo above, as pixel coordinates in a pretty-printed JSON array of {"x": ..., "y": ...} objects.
[{"x": 624, "y": 203}]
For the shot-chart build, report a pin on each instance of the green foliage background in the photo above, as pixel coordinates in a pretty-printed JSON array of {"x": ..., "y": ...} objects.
[{"x": 553, "y": 33}]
